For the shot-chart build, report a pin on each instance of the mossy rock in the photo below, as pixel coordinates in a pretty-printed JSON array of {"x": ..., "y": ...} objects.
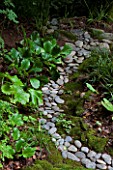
[{"x": 68, "y": 35}]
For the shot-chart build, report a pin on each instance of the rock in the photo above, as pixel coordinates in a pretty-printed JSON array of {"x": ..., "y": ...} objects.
[
  {"x": 55, "y": 86},
  {"x": 54, "y": 21},
  {"x": 80, "y": 155},
  {"x": 101, "y": 161},
  {"x": 45, "y": 112},
  {"x": 61, "y": 92},
  {"x": 85, "y": 149},
  {"x": 106, "y": 158},
  {"x": 110, "y": 168},
  {"x": 79, "y": 43},
  {"x": 60, "y": 69},
  {"x": 71, "y": 45},
  {"x": 50, "y": 124},
  {"x": 56, "y": 136},
  {"x": 61, "y": 141},
  {"x": 78, "y": 143},
  {"x": 80, "y": 60},
  {"x": 49, "y": 116},
  {"x": 42, "y": 121},
  {"x": 50, "y": 31},
  {"x": 72, "y": 157},
  {"x": 68, "y": 139},
  {"x": 67, "y": 144},
  {"x": 46, "y": 127},
  {"x": 64, "y": 154},
  {"x": 59, "y": 100},
  {"x": 85, "y": 161},
  {"x": 72, "y": 148},
  {"x": 47, "y": 104},
  {"x": 104, "y": 45},
  {"x": 61, "y": 147},
  {"x": 50, "y": 111},
  {"x": 101, "y": 166},
  {"x": 60, "y": 82},
  {"x": 52, "y": 130},
  {"x": 92, "y": 155},
  {"x": 91, "y": 165}
]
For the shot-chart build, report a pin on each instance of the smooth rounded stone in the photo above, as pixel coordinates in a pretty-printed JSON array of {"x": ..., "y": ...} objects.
[
  {"x": 55, "y": 108},
  {"x": 59, "y": 100},
  {"x": 47, "y": 104},
  {"x": 54, "y": 27},
  {"x": 64, "y": 154},
  {"x": 50, "y": 124},
  {"x": 85, "y": 161},
  {"x": 85, "y": 149},
  {"x": 110, "y": 168},
  {"x": 92, "y": 43},
  {"x": 50, "y": 111},
  {"x": 53, "y": 119},
  {"x": 53, "y": 140},
  {"x": 104, "y": 45},
  {"x": 61, "y": 148},
  {"x": 77, "y": 49},
  {"x": 78, "y": 143},
  {"x": 98, "y": 155},
  {"x": 101, "y": 166},
  {"x": 68, "y": 70},
  {"x": 61, "y": 141},
  {"x": 79, "y": 53},
  {"x": 60, "y": 69},
  {"x": 42, "y": 121},
  {"x": 66, "y": 80},
  {"x": 50, "y": 31},
  {"x": 60, "y": 82},
  {"x": 53, "y": 104},
  {"x": 54, "y": 91},
  {"x": 56, "y": 136},
  {"x": 112, "y": 162},
  {"x": 79, "y": 43},
  {"x": 80, "y": 60},
  {"x": 45, "y": 88},
  {"x": 87, "y": 35},
  {"x": 68, "y": 60},
  {"x": 91, "y": 165},
  {"x": 92, "y": 155},
  {"x": 100, "y": 161},
  {"x": 41, "y": 109},
  {"x": 61, "y": 92},
  {"x": 67, "y": 144},
  {"x": 54, "y": 21},
  {"x": 46, "y": 99},
  {"x": 49, "y": 116},
  {"x": 80, "y": 155},
  {"x": 45, "y": 112},
  {"x": 106, "y": 158},
  {"x": 52, "y": 130},
  {"x": 107, "y": 41},
  {"x": 72, "y": 148},
  {"x": 87, "y": 47},
  {"x": 71, "y": 64},
  {"x": 46, "y": 127},
  {"x": 55, "y": 86},
  {"x": 57, "y": 113},
  {"x": 72, "y": 157},
  {"x": 68, "y": 139}
]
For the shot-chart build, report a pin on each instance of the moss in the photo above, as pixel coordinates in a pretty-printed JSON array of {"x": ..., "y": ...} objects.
[
  {"x": 68, "y": 35},
  {"x": 34, "y": 167},
  {"x": 97, "y": 33},
  {"x": 44, "y": 164},
  {"x": 95, "y": 142}
]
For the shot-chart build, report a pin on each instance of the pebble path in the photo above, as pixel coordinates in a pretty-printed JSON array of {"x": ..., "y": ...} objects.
[{"x": 52, "y": 91}]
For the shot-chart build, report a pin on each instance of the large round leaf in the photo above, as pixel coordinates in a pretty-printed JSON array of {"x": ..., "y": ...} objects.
[
  {"x": 35, "y": 83},
  {"x": 25, "y": 64}
]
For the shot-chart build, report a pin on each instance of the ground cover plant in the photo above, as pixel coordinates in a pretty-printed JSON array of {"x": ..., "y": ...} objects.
[{"x": 23, "y": 72}]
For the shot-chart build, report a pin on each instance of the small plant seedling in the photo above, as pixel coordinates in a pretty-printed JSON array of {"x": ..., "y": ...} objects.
[{"x": 90, "y": 87}]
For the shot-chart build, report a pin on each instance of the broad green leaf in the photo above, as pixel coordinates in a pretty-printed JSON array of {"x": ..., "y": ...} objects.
[
  {"x": 19, "y": 145},
  {"x": 66, "y": 50},
  {"x": 25, "y": 64},
  {"x": 108, "y": 105},
  {"x": 32, "y": 119},
  {"x": 90, "y": 87},
  {"x": 28, "y": 152},
  {"x": 16, "y": 119},
  {"x": 35, "y": 69},
  {"x": 25, "y": 118},
  {"x": 5, "y": 88},
  {"x": 47, "y": 56},
  {"x": 14, "y": 79},
  {"x": 15, "y": 54},
  {"x": 8, "y": 151},
  {"x": 36, "y": 96},
  {"x": 16, "y": 133},
  {"x": 48, "y": 46},
  {"x": 35, "y": 83}
]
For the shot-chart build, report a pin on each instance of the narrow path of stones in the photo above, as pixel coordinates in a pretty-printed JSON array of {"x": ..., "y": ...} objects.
[{"x": 51, "y": 95}]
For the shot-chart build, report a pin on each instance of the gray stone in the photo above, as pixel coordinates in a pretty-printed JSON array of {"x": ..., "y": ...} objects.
[
  {"x": 42, "y": 121},
  {"x": 46, "y": 127},
  {"x": 59, "y": 100},
  {"x": 54, "y": 119},
  {"x": 55, "y": 108},
  {"x": 106, "y": 158},
  {"x": 52, "y": 130},
  {"x": 98, "y": 155},
  {"x": 104, "y": 45},
  {"x": 50, "y": 124},
  {"x": 67, "y": 144},
  {"x": 101, "y": 166},
  {"x": 64, "y": 154},
  {"x": 48, "y": 104},
  {"x": 50, "y": 111},
  {"x": 100, "y": 161},
  {"x": 85, "y": 161},
  {"x": 49, "y": 116},
  {"x": 45, "y": 112},
  {"x": 78, "y": 143},
  {"x": 60, "y": 82},
  {"x": 54, "y": 21},
  {"x": 55, "y": 86},
  {"x": 92, "y": 155},
  {"x": 80, "y": 155},
  {"x": 60, "y": 69},
  {"x": 61, "y": 92},
  {"x": 72, "y": 157},
  {"x": 72, "y": 148},
  {"x": 68, "y": 139},
  {"x": 112, "y": 162},
  {"x": 79, "y": 43},
  {"x": 61, "y": 148},
  {"x": 110, "y": 168},
  {"x": 61, "y": 141},
  {"x": 54, "y": 91},
  {"x": 56, "y": 136},
  {"x": 85, "y": 149},
  {"x": 91, "y": 165}
]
